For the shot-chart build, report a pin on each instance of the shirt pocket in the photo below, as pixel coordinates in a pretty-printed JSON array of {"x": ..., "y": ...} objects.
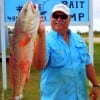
[
  {"x": 82, "y": 50},
  {"x": 57, "y": 58}
]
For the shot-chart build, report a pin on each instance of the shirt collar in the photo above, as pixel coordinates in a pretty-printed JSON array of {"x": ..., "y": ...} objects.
[{"x": 56, "y": 35}]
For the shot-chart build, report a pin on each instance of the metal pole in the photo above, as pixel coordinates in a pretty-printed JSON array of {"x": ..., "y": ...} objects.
[
  {"x": 4, "y": 76},
  {"x": 91, "y": 46}
]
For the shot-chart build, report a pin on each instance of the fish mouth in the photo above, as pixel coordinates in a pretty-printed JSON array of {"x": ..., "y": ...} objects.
[{"x": 34, "y": 7}]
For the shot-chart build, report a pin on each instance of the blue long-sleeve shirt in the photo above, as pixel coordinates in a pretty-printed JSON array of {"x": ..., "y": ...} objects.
[{"x": 64, "y": 77}]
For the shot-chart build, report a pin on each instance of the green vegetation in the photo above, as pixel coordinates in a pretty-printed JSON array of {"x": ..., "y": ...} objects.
[
  {"x": 97, "y": 59},
  {"x": 95, "y": 34},
  {"x": 31, "y": 90}
]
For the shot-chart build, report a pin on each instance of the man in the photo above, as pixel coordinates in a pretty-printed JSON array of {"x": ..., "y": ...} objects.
[{"x": 63, "y": 60}]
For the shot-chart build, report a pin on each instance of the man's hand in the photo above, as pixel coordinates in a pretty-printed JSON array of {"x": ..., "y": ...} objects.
[
  {"x": 41, "y": 30},
  {"x": 94, "y": 93}
]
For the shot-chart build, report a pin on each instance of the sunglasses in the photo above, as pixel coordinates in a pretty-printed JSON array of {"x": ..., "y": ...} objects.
[{"x": 62, "y": 16}]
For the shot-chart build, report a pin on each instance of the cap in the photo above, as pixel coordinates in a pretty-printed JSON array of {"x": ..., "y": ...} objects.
[{"x": 61, "y": 7}]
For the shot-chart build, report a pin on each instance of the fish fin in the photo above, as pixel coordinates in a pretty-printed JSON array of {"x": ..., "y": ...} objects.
[{"x": 25, "y": 40}]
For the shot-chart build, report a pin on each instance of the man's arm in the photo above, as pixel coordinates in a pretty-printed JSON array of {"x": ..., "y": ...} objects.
[
  {"x": 39, "y": 58},
  {"x": 91, "y": 74}
]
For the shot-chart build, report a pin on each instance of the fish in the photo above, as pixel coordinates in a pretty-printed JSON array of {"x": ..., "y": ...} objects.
[{"x": 22, "y": 47}]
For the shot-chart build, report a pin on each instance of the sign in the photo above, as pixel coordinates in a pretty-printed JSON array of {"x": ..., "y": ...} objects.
[{"x": 79, "y": 9}]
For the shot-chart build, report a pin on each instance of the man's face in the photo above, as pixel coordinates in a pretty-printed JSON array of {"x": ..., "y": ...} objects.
[{"x": 60, "y": 21}]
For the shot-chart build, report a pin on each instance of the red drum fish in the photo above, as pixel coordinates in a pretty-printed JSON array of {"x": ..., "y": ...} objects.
[{"x": 22, "y": 47}]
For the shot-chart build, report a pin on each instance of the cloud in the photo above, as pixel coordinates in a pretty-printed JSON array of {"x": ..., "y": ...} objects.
[
  {"x": 96, "y": 24},
  {"x": 96, "y": 15},
  {"x": 96, "y": 8}
]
